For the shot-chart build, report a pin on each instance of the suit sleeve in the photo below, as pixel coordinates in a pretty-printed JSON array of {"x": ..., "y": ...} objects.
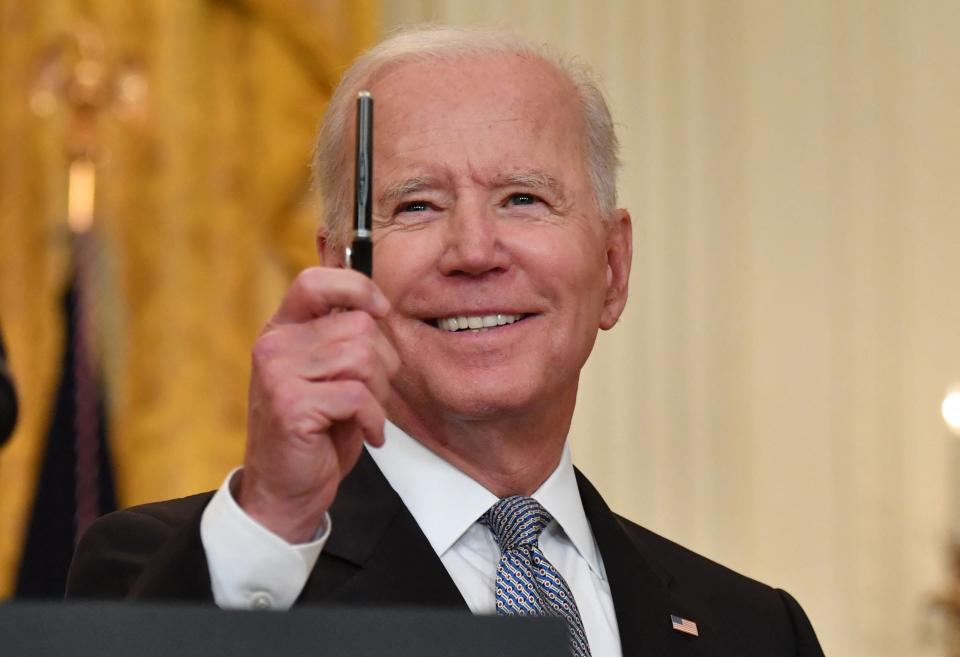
[
  {"x": 805, "y": 639},
  {"x": 152, "y": 552},
  {"x": 112, "y": 555}
]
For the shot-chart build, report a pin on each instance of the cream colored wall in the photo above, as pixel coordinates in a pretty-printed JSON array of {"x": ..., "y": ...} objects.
[{"x": 771, "y": 396}]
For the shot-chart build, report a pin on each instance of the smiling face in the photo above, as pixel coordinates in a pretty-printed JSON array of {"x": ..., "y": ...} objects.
[{"x": 488, "y": 241}]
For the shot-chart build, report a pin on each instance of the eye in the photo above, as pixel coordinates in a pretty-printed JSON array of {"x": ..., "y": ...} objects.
[
  {"x": 413, "y": 206},
  {"x": 523, "y": 199}
]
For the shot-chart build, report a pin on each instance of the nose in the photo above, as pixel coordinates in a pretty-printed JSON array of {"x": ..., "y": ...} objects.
[{"x": 472, "y": 243}]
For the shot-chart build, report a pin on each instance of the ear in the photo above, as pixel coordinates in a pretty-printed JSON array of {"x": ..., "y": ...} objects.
[
  {"x": 619, "y": 258},
  {"x": 331, "y": 255}
]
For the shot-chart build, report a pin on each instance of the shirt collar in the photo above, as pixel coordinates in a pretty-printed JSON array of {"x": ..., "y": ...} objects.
[
  {"x": 560, "y": 496},
  {"x": 446, "y": 502}
]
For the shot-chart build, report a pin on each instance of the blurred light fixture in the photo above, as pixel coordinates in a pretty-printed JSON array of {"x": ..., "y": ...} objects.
[{"x": 951, "y": 410}]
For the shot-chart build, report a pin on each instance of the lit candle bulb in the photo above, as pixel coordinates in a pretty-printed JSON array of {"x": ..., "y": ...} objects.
[
  {"x": 950, "y": 408},
  {"x": 82, "y": 183}
]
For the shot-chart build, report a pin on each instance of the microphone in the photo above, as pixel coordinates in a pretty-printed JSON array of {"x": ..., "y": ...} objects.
[{"x": 8, "y": 398}]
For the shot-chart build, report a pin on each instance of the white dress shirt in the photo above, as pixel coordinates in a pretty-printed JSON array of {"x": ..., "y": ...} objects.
[{"x": 268, "y": 572}]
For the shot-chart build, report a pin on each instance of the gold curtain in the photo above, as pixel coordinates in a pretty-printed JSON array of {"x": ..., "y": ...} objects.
[{"x": 202, "y": 216}]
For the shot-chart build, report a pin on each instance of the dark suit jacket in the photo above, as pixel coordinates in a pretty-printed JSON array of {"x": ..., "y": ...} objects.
[{"x": 377, "y": 555}]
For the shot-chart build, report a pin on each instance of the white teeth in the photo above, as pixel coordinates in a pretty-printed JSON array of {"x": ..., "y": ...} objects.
[{"x": 476, "y": 323}]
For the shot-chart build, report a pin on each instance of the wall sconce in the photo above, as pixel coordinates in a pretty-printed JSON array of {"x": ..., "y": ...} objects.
[{"x": 950, "y": 409}]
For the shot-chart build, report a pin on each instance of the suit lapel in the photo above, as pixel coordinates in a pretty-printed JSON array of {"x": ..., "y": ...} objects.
[
  {"x": 377, "y": 553},
  {"x": 642, "y": 597}
]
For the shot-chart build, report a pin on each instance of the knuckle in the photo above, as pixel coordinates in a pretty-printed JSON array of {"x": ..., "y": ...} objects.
[
  {"x": 308, "y": 284},
  {"x": 361, "y": 323},
  {"x": 357, "y": 358},
  {"x": 306, "y": 280},
  {"x": 302, "y": 425},
  {"x": 367, "y": 360},
  {"x": 301, "y": 419},
  {"x": 267, "y": 347},
  {"x": 284, "y": 400},
  {"x": 355, "y": 393}
]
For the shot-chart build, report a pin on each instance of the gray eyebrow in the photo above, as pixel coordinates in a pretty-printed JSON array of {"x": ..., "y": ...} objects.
[
  {"x": 529, "y": 179},
  {"x": 395, "y": 191},
  {"x": 535, "y": 179}
]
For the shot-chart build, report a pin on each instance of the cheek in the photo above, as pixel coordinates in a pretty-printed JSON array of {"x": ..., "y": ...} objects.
[
  {"x": 402, "y": 262},
  {"x": 399, "y": 261},
  {"x": 572, "y": 267}
]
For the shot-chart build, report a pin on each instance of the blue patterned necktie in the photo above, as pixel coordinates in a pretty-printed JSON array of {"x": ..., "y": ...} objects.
[{"x": 528, "y": 584}]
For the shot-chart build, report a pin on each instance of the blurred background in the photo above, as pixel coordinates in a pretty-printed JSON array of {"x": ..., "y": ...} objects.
[{"x": 771, "y": 398}]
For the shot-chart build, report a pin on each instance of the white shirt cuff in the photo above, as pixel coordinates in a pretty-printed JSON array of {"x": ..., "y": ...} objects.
[{"x": 250, "y": 566}]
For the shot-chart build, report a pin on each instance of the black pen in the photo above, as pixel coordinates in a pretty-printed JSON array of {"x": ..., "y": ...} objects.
[{"x": 360, "y": 252}]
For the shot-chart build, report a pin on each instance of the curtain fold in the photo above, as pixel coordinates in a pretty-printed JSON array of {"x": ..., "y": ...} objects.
[{"x": 202, "y": 216}]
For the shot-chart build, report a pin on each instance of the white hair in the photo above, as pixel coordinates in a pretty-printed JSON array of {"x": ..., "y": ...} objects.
[{"x": 331, "y": 165}]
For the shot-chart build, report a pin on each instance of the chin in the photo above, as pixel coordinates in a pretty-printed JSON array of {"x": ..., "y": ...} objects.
[
  {"x": 485, "y": 407},
  {"x": 472, "y": 398}
]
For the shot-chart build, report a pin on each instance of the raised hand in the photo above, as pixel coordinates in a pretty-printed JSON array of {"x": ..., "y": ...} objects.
[{"x": 320, "y": 379}]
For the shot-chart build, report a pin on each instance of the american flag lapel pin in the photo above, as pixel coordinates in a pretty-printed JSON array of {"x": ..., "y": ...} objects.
[{"x": 684, "y": 625}]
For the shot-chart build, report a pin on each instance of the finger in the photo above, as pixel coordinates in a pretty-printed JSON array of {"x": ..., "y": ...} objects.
[
  {"x": 389, "y": 357},
  {"x": 306, "y": 352},
  {"x": 349, "y": 325},
  {"x": 352, "y": 401},
  {"x": 307, "y": 413},
  {"x": 356, "y": 360},
  {"x": 345, "y": 325},
  {"x": 348, "y": 444},
  {"x": 316, "y": 335},
  {"x": 318, "y": 290}
]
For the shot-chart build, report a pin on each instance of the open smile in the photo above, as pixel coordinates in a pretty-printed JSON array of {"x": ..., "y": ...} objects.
[{"x": 476, "y": 323}]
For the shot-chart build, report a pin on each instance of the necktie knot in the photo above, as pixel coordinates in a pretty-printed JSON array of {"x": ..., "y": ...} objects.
[{"x": 516, "y": 522}]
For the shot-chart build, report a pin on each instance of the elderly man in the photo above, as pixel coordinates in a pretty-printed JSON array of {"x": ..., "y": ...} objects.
[{"x": 408, "y": 435}]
